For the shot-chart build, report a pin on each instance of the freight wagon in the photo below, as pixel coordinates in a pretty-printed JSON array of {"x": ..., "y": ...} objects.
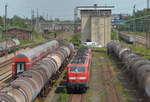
[
  {"x": 127, "y": 38},
  {"x": 25, "y": 60},
  {"x": 8, "y": 46},
  {"x": 138, "y": 68},
  {"x": 34, "y": 81}
]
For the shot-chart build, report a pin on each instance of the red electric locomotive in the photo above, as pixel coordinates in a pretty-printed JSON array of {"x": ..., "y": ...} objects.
[
  {"x": 78, "y": 71},
  {"x": 25, "y": 60}
]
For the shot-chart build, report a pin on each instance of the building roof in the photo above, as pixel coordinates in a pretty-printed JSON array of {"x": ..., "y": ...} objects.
[
  {"x": 19, "y": 29},
  {"x": 95, "y": 7}
]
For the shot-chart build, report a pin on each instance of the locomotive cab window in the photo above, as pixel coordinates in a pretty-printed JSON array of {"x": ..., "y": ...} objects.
[
  {"x": 20, "y": 67},
  {"x": 77, "y": 69}
]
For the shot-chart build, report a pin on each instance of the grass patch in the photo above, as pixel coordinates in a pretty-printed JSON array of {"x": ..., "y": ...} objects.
[
  {"x": 97, "y": 55},
  {"x": 63, "y": 97},
  {"x": 52, "y": 35},
  {"x": 143, "y": 51},
  {"x": 121, "y": 88},
  {"x": 136, "y": 33},
  {"x": 99, "y": 52},
  {"x": 114, "y": 35},
  {"x": 99, "y": 49},
  {"x": 76, "y": 39},
  {"x": 103, "y": 95},
  {"x": 37, "y": 39}
]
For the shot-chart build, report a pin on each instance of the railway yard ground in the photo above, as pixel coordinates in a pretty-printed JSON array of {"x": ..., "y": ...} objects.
[
  {"x": 6, "y": 61},
  {"x": 140, "y": 38},
  {"x": 139, "y": 46},
  {"x": 102, "y": 54},
  {"x": 139, "y": 50},
  {"x": 108, "y": 83}
]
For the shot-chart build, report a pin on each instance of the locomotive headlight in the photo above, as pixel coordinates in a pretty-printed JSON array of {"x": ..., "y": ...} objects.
[
  {"x": 82, "y": 78},
  {"x": 72, "y": 78}
]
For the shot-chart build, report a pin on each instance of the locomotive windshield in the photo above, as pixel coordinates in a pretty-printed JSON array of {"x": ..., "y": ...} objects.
[{"x": 77, "y": 69}]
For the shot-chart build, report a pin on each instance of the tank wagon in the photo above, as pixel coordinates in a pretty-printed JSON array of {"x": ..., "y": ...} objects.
[
  {"x": 32, "y": 82},
  {"x": 78, "y": 71},
  {"x": 8, "y": 46},
  {"x": 127, "y": 38},
  {"x": 25, "y": 60},
  {"x": 137, "y": 66}
]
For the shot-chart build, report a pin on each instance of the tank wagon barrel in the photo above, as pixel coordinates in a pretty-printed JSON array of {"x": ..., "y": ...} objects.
[
  {"x": 137, "y": 66},
  {"x": 31, "y": 82},
  {"x": 8, "y": 45}
]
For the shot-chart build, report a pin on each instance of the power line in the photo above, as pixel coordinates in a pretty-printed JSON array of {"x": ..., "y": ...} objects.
[{"x": 137, "y": 18}]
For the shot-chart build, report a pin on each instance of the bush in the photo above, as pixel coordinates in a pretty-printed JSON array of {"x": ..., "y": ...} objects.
[
  {"x": 114, "y": 35},
  {"x": 76, "y": 40}
]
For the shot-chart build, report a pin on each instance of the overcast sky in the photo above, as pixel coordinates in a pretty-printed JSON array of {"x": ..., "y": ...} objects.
[{"x": 64, "y": 8}]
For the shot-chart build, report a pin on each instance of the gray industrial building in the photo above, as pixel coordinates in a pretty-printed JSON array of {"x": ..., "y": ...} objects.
[{"x": 96, "y": 24}]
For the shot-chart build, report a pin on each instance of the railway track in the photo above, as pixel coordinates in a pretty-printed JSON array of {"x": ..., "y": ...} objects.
[
  {"x": 5, "y": 71},
  {"x": 5, "y": 66},
  {"x": 5, "y": 63},
  {"x": 140, "y": 40},
  {"x": 112, "y": 93},
  {"x": 76, "y": 98}
]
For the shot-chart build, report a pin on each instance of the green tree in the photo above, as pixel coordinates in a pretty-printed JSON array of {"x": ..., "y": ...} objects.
[
  {"x": 18, "y": 21},
  {"x": 137, "y": 22},
  {"x": 1, "y": 20},
  {"x": 41, "y": 18}
]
